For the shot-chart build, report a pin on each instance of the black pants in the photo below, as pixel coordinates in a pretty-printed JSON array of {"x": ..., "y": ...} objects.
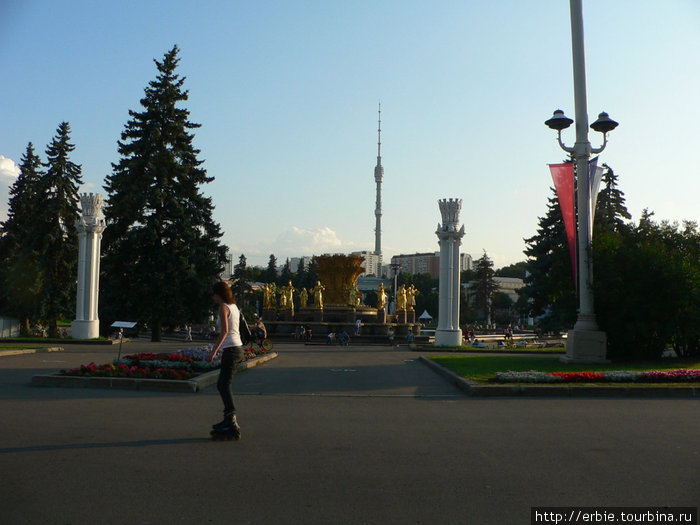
[{"x": 230, "y": 357}]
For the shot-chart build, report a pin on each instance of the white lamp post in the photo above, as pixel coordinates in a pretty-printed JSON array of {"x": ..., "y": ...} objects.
[{"x": 585, "y": 343}]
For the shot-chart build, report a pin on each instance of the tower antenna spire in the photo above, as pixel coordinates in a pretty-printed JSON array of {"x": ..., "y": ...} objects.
[{"x": 379, "y": 134}]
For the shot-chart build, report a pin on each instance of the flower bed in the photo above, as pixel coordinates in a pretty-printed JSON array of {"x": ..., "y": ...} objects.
[
  {"x": 622, "y": 376},
  {"x": 180, "y": 365}
]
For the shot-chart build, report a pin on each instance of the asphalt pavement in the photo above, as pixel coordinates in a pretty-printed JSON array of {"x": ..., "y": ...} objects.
[{"x": 331, "y": 435}]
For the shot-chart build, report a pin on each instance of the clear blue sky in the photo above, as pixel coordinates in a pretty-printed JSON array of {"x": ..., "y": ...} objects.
[{"x": 287, "y": 95}]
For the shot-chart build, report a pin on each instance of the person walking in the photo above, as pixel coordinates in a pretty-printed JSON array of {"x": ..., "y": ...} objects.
[
  {"x": 188, "y": 329},
  {"x": 230, "y": 346}
]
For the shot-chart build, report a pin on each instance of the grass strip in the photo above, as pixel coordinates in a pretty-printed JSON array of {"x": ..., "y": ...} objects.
[{"x": 482, "y": 369}]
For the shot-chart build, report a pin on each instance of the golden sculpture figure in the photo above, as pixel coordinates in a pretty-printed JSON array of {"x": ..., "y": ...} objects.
[
  {"x": 411, "y": 293},
  {"x": 318, "y": 295},
  {"x": 283, "y": 297},
  {"x": 354, "y": 296},
  {"x": 290, "y": 296},
  {"x": 401, "y": 299},
  {"x": 269, "y": 295},
  {"x": 381, "y": 297},
  {"x": 303, "y": 298}
]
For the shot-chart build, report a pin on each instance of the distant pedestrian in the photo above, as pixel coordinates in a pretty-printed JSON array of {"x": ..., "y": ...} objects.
[
  {"x": 390, "y": 334},
  {"x": 188, "y": 329},
  {"x": 358, "y": 323}
]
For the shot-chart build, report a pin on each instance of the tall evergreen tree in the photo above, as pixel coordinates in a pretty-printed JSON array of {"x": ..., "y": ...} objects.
[
  {"x": 269, "y": 274},
  {"x": 484, "y": 284},
  {"x": 549, "y": 285},
  {"x": 611, "y": 212},
  {"x": 241, "y": 287},
  {"x": 59, "y": 215},
  {"x": 286, "y": 274},
  {"x": 162, "y": 250},
  {"x": 20, "y": 262}
]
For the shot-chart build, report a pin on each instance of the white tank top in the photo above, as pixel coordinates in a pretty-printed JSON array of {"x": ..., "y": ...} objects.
[{"x": 233, "y": 337}]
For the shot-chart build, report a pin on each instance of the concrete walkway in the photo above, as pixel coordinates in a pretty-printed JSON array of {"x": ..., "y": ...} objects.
[{"x": 330, "y": 435}]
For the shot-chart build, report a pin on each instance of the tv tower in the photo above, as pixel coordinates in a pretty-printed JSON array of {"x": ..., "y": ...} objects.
[{"x": 378, "y": 178}]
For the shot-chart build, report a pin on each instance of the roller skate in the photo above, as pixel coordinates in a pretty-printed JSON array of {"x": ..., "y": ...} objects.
[{"x": 228, "y": 429}]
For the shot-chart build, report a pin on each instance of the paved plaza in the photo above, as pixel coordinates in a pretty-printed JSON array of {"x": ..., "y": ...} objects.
[{"x": 331, "y": 435}]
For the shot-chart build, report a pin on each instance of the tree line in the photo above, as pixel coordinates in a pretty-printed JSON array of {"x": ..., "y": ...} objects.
[
  {"x": 646, "y": 279},
  {"x": 161, "y": 247},
  {"x": 38, "y": 241}
]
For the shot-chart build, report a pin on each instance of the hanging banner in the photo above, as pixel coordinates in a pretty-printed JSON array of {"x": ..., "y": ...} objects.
[
  {"x": 563, "y": 177},
  {"x": 595, "y": 175}
]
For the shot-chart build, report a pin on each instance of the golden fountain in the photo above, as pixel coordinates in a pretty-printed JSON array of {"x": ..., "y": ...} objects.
[{"x": 338, "y": 273}]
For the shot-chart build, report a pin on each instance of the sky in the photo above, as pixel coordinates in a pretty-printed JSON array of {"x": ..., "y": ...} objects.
[{"x": 287, "y": 96}]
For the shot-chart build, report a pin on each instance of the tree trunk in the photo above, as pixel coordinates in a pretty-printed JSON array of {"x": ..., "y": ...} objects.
[
  {"x": 24, "y": 329},
  {"x": 53, "y": 329},
  {"x": 155, "y": 331}
]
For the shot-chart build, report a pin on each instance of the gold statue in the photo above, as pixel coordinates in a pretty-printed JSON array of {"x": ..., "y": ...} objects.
[
  {"x": 354, "y": 295},
  {"x": 411, "y": 293},
  {"x": 318, "y": 295},
  {"x": 283, "y": 297},
  {"x": 401, "y": 299},
  {"x": 381, "y": 297},
  {"x": 290, "y": 296},
  {"x": 269, "y": 292},
  {"x": 303, "y": 298}
]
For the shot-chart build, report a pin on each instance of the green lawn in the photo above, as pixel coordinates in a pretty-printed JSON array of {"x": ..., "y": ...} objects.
[
  {"x": 483, "y": 368},
  {"x": 497, "y": 349}
]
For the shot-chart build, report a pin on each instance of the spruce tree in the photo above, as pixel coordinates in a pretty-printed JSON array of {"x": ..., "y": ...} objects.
[
  {"x": 549, "y": 285},
  {"x": 20, "y": 260},
  {"x": 269, "y": 275},
  {"x": 58, "y": 216},
  {"x": 611, "y": 212},
  {"x": 161, "y": 246},
  {"x": 484, "y": 285}
]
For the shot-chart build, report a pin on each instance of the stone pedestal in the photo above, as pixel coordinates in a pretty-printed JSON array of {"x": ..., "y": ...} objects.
[
  {"x": 307, "y": 315},
  {"x": 286, "y": 315},
  {"x": 410, "y": 316},
  {"x": 448, "y": 337},
  {"x": 585, "y": 346},
  {"x": 90, "y": 228},
  {"x": 269, "y": 314},
  {"x": 401, "y": 317},
  {"x": 381, "y": 316},
  {"x": 449, "y": 238}
]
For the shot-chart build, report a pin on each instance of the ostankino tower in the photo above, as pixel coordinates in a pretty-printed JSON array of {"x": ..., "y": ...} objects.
[{"x": 378, "y": 178}]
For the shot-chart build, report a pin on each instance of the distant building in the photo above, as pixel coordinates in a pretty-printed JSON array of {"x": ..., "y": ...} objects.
[
  {"x": 295, "y": 262},
  {"x": 428, "y": 263},
  {"x": 506, "y": 285},
  {"x": 372, "y": 263},
  {"x": 465, "y": 262},
  {"x": 228, "y": 266}
]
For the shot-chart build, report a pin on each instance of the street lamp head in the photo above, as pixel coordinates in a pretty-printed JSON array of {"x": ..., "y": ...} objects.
[
  {"x": 604, "y": 123},
  {"x": 559, "y": 121}
]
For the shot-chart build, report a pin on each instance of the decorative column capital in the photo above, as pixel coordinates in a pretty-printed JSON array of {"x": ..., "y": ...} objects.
[{"x": 90, "y": 221}]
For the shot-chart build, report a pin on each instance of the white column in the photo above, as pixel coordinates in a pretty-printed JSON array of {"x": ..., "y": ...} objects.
[
  {"x": 90, "y": 228},
  {"x": 449, "y": 239}
]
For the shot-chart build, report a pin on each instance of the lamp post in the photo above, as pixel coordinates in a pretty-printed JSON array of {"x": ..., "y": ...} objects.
[
  {"x": 395, "y": 268},
  {"x": 585, "y": 343}
]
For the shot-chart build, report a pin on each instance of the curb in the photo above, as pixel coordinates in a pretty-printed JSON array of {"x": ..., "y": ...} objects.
[
  {"x": 127, "y": 383},
  {"x": 4, "y": 353},
  {"x": 471, "y": 388},
  {"x": 67, "y": 341}
]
